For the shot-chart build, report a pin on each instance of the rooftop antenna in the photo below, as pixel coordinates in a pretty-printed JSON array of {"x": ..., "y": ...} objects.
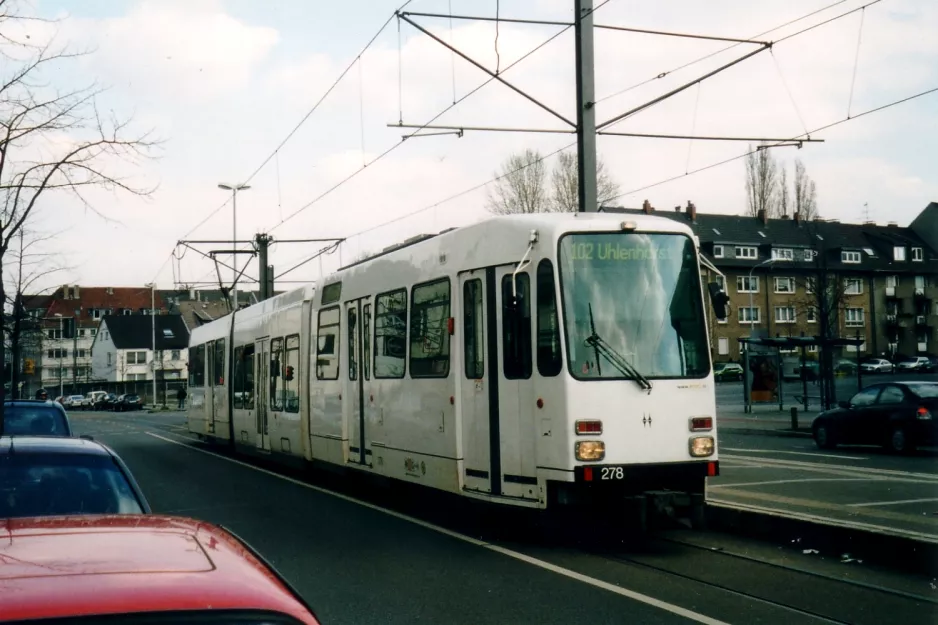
[{"x": 866, "y": 211}]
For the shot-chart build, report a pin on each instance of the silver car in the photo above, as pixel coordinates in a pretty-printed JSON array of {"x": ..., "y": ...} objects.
[{"x": 877, "y": 365}]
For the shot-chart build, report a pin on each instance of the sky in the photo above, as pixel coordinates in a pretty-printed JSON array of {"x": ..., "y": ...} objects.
[{"x": 223, "y": 83}]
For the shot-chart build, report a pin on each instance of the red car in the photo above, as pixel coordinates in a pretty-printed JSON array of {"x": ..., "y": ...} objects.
[{"x": 138, "y": 569}]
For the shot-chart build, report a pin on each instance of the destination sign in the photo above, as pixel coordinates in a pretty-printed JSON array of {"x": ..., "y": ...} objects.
[{"x": 613, "y": 251}]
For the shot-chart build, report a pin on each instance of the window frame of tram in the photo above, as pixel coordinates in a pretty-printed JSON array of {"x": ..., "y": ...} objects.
[
  {"x": 218, "y": 356},
  {"x": 197, "y": 366},
  {"x": 243, "y": 379},
  {"x": 424, "y": 363},
  {"x": 276, "y": 352},
  {"x": 366, "y": 338},
  {"x": 549, "y": 357},
  {"x": 516, "y": 329},
  {"x": 328, "y": 368},
  {"x": 473, "y": 330},
  {"x": 352, "y": 341},
  {"x": 380, "y": 327},
  {"x": 291, "y": 373}
]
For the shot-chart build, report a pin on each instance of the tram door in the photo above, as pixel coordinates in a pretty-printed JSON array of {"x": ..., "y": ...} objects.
[
  {"x": 358, "y": 324},
  {"x": 211, "y": 399},
  {"x": 481, "y": 467},
  {"x": 262, "y": 392}
]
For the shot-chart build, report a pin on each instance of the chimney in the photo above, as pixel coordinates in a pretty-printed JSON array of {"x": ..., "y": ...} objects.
[
  {"x": 763, "y": 217},
  {"x": 647, "y": 208},
  {"x": 691, "y": 211},
  {"x": 798, "y": 217},
  {"x": 77, "y": 295},
  {"x": 892, "y": 224},
  {"x": 677, "y": 209}
]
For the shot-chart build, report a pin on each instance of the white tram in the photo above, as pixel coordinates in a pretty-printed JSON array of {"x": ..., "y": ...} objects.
[{"x": 530, "y": 360}]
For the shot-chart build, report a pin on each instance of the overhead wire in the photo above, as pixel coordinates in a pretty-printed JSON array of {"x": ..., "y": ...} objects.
[
  {"x": 430, "y": 121},
  {"x": 856, "y": 61}
]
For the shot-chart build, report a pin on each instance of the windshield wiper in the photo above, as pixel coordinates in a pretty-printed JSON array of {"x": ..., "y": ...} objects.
[{"x": 618, "y": 360}]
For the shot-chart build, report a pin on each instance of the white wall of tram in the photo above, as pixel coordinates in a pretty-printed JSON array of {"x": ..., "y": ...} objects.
[{"x": 433, "y": 430}]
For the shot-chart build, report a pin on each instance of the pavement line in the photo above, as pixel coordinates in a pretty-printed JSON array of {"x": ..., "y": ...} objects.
[
  {"x": 892, "y": 503},
  {"x": 930, "y": 477},
  {"x": 825, "y": 520},
  {"x": 797, "y": 453},
  {"x": 794, "y": 481},
  {"x": 592, "y": 581}
]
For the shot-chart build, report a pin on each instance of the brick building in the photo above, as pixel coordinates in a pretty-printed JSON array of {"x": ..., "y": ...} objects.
[{"x": 883, "y": 278}]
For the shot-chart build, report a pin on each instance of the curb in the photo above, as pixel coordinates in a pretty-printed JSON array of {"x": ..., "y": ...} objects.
[{"x": 756, "y": 432}]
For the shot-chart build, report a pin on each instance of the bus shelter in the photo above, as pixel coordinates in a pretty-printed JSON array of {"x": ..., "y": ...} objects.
[{"x": 762, "y": 368}]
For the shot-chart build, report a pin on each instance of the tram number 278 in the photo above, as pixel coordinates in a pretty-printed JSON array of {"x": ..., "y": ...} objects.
[{"x": 611, "y": 473}]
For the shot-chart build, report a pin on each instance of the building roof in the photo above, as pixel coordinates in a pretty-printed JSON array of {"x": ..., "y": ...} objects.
[
  {"x": 73, "y": 300},
  {"x": 875, "y": 242},
  {"x": 136, "y": 331},
  {"x": 196, "y": 313}
]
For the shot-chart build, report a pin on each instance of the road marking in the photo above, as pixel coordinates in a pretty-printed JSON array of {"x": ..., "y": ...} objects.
[
  {"x": 892, "y": 503},
  {"x": 824, "y": 520},
  {"x": 592, "y": 581},
  {"x": 805, "y": 479},
  {"x": 853, "y": 469},
  {"x": 797, "y": 453}
]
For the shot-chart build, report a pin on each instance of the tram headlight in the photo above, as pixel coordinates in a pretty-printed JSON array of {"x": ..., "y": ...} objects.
[
  {"x": 590, "y": 451},
  {"x": 701, "y": 446}
]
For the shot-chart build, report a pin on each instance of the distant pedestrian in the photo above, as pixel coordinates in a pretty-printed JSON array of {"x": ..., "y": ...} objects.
[{"x": 181, "y": 397}]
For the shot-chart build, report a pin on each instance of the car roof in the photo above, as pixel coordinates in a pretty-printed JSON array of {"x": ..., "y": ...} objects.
[
  {"x": 112, "y": 564},
  {"x": 33, "y": 402},
  {"x": 51, "y": 444}
]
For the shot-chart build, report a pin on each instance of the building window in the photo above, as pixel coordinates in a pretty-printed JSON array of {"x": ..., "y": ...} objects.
[
  {"x": 429, "y": 331},
  {"x": 784, "y": 285},
  {"x": 746, "y": 252},
  {"x": 853, "y": 286},
  {"x": 81, "y": 333},
  {"x": 55, "y": 334},
  {"x": 549, "y": 362},
  {"x": 850, "y": 257},
  {"x": 783, "y": 253},
  {"x": 854, "y": 317},
  {"x": 809, "y": 255},
  {"x": 917, "y": 254},
  {"x": 516, "y": 334},
  {"x": 718, "y": 251},
  {"x": 720, "y": 280},
  {"x": 747, "y": 284},
  {"x": 723, "y": 346},
  {"x": 919, "y": 285},
  {"x": 390, "y": 334},
  {"x": 472, "y": 329},
  {"x": 94, "y": 331},
  {"x": 749, "y": 315},
  {"x": 811, "y": 314},
  {"x": 174, "y": 355},
  {"x": 784, "y": 314},
  {"x": 892, "y": 282},
  {"x": 81, "y": 353},
  {"x": 327, "y": 345},
  {"x": 898, "y": 253}
]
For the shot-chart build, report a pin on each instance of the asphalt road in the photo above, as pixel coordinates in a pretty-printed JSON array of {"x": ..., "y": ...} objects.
[
  {"x": 396, "y": 558},
  {"x": 730, "y": 394}
]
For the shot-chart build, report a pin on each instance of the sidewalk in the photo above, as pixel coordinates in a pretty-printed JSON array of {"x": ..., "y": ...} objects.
[{"x": 764, "y": 420}]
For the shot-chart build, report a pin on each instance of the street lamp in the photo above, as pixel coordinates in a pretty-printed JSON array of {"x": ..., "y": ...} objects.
[
  {"x": 152, "y": 286},
  {"x": 234, "y": 188},
  {"x": 61, "y": 334},
  {"x": 751, "y": 320}
]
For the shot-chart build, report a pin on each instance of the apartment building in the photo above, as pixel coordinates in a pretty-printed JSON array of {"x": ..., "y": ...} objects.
[
  {"x": 880, "y": 282},
  {"x": 123, "y": 348}
]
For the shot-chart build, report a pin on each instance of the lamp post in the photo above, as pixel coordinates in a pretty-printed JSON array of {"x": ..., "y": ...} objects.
[
  {"x": 765, "y": 262},
  {"x": 152, "y": 286},
  {"x": 61, "y": 333},
  {"x": 234, "y": 188}
]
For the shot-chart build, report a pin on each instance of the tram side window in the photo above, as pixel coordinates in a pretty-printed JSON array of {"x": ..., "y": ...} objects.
[
  {"x": 276, "y": 362},
  {"x": 352, "y": 343},
  {"x": 516, "y": 328},
  {"x": 429, "y": 331},
  {"x": 291, "y": 378},
  {"x": 549, "y": 361},
  {"x": 197, "y": 366},
  {"x": 244, "y": 383},
  {"x": 366, "y": 336},
  {"x": 327, "y": 347},
  {"x": 391, "y": 334},
  {"x": 473, "y": 333},
  {"x": 237, "y": 376},
  {"x": 219, "y": 370}
]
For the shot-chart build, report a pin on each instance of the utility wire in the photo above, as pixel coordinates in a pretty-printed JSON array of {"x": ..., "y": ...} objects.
[
  {"x": 414, "y": 133},
  {"x": 856, "y": 61},
  {"x": 793, "y": 139}
]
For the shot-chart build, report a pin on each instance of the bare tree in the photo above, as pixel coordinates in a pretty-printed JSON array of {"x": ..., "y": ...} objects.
[
  {"x": 784, "y": 200},
  {"x": 521, "y": 186},
  {"x": 52, "y": 142},
  {"x": 565, "y": 184},
  {"x": 761, "y": 182},
  {"x": 805, "y": 193}
]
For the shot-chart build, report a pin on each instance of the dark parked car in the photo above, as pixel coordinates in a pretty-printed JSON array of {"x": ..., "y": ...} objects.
[
  {"x": 32, "y": 417},
  {"x": 130, "y": 402},
  {"x": 897, "y": 415},
  {"x": 45, "y": 476}
]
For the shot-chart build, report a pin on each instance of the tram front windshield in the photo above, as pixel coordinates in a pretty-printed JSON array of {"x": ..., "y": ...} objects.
[{"x": 632, "y": 298}]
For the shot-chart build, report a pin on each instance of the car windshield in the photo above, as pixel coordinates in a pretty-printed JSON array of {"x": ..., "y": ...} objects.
[
  {"x": 641, "y": 294},
  {"x": 925, "y": 391},
  {"x": 35, "y": 420},
  {"x": 39, "y": 484}
]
